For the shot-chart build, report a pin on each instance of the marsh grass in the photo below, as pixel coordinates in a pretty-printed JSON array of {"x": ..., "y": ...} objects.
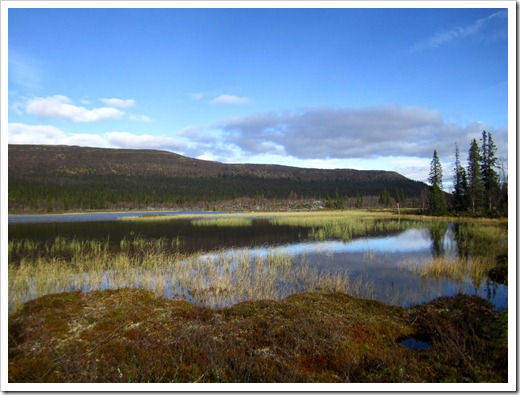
[
  {"x": 343, "y": 225},
  {"x": 212, "y": 280},
  {"x": 223, "y": 222},
  {"x": 475, "y": 269},
  {"x": 219, "y": 278}
]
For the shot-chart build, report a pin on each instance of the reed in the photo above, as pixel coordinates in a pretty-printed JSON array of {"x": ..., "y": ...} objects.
[
  {"x": 344, "y": 225},
  {"x": 475, "y": 269},
  {"x": 221, "y": 278},
  {"x": 223, "y": 222},
  {"x": 212, "y": 280}
]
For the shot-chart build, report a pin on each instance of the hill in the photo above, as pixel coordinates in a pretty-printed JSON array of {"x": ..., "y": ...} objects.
[{"x": 61, "y": 178}]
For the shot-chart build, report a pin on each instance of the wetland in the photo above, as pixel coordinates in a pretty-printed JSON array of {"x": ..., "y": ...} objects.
[
  {"x": 245, "y": 270},
  {"x": 194, "y": 256}
]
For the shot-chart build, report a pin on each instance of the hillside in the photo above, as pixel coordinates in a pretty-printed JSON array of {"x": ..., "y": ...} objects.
[{"x": 50, "y": 178}]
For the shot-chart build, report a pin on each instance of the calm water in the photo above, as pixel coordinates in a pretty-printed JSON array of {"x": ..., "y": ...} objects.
[
  {"x": 380, "y": 259},
  {"x": 89, "y": 217}
]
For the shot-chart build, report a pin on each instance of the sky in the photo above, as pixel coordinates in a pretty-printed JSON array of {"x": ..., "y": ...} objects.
[{"x": 361, "y": 88}]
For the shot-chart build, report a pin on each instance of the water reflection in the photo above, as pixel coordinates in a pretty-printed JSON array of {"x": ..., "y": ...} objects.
[{"x": 383, "y": 261}]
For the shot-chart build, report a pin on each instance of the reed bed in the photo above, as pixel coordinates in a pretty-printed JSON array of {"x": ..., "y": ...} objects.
[
  {"x": 223, "y": 222},
  {"x": 344, "y": 225},
  {"x": 223, "y": 278},
  {"x": 211, "y": 280},
  {"x": 475, "y": 269}
]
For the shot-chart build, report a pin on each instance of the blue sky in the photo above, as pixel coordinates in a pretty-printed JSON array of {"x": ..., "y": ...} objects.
[{"x": 330, "y": 88}]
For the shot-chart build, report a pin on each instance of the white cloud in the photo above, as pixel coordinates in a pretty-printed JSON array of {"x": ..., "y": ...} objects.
[
  {"x": 119, "y": 103},
  {"x": 205, "y": 157},
  {"x": 230, "y": 99},
  {"x": 141, "y": 118},
  {"x": 34, "y": 134},
  {"x": 19, "y": 133},
  {"x": 61, "y": 107},
  {"x": 85, "y": 140},
  {"x": 130, "y": 140},
  {"x": 472, "y": 29}
]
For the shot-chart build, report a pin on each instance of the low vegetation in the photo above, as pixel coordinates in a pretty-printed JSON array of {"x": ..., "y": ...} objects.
[{"x": 132, "y": 335}]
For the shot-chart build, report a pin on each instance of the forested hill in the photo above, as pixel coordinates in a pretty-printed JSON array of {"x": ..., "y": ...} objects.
[{"x": 69, "y": 177}]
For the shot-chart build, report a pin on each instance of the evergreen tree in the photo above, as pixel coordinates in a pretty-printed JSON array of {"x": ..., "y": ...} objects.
[
  {"x": 359, "y": 201},
  {"x": 490, "y": 178},
  {"x": 460, "y": 184},
  {"x": 339, "y": 204},
  {"x": 437, "y": 200},
  {"x": 475, "y": 186},
  {"x": 384, "y": 198},
  {"x": 435, "y": 171},
  {"x": 503, "y": 195},
  {"x": 400, "y": 196}
]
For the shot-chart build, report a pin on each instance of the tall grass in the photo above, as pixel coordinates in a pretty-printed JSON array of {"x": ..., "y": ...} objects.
[
  {"x": 212, "y": 280},
  {"x": 343, "y": 225},
  {"x": 217, "y": 279},
  {"x": 223, "y": 222},
  {"x": 475, "y": 269}
]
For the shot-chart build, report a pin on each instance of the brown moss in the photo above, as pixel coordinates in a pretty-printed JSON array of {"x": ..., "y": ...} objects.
[{"x": 132, "y": 336}]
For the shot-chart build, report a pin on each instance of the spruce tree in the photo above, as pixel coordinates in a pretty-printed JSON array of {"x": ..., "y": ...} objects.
[
  {"x": 475, "y": 186},
  {"x": 460, "y": 184},
  {"x": 384, "y": 198},
  {"x": 437, "y": 200},
  {"x": 503, "y": 194},
  {"x": 400, "y": 196},
  {"x": 490, "y": 178},
  {"x": 435, "y": 171}
]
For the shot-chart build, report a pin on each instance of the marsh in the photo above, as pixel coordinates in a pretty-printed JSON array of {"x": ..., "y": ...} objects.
[{"x": 217, "y": 260}]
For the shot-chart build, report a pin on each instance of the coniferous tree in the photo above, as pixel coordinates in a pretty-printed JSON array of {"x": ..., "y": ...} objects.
[
  {"x": 503, "y": 195},
  {"x": 400, "y": 196},
  {"x": 339, "y": 204},
  {"x": 359, "y": 201},
  {"x": 475, "y": 186},
  {"x": 490, "y": 178},
  {"x": 384, "y": 198},
  {"x": 437, "y": 200},
  {"x": 460, "y": 184},
  {"x": 435, "y": 171}
]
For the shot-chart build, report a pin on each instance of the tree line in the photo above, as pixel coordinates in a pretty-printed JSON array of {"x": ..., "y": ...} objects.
[{"x": 480, "y": 188}]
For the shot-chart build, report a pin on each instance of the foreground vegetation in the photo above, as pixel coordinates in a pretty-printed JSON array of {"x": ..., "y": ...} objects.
[{"x": 133, "y": 336}]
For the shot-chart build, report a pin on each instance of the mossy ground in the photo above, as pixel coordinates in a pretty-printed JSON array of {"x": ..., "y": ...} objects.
[{"x": 131, "y": 335}]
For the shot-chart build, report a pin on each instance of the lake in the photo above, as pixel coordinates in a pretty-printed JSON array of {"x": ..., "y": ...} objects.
[
  {"x": 385, "y": 263},
  {"x": 89, "y": 217}
]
